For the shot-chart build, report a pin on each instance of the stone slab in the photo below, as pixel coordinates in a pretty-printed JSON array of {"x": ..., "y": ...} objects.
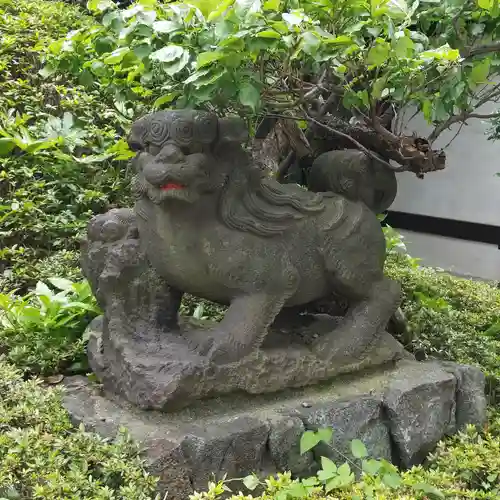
[
  {"x": 156, "y": 371},
  {"x": 421, "y": 409},
  {"x": 400, "y": 411}
]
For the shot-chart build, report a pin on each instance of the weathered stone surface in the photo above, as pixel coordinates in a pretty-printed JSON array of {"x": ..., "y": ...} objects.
[
  {"x": 234, "y": 448},
  {"x": 413, "y": 402},
  {"x": 354, "y": 418},
  {"x": 159, "y": 372},
  {"x": 356, "y": 176},
  {"x": 470, "y": 398},
  {"x": 208, "y": 222},
  {"x": 420, "y": 405},
  {"x": 284, "y": 446}
]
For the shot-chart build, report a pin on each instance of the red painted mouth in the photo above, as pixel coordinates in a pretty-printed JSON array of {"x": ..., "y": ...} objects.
[{"x": 170, "y": 186}]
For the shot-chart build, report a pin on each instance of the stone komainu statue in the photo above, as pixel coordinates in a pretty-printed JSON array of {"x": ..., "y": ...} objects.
[
  {"x": 209, "y": 223},
  {"x": 354, "y": 175}
]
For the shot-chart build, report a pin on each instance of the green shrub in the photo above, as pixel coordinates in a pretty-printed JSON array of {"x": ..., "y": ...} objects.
[
  {"x": 43, "y": 457},
  {"x": 465, "y": 466},
  {"x": 449, "y": 317},
  {"x": 42, "y": 332},
  {"x": 24, "y": 273},
  {"x": 60, "y": 157}
]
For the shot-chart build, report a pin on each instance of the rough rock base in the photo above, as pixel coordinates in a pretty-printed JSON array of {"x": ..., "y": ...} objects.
[
  {"x": 160, "y": 371},
  {"x": 399, "y": 412}
]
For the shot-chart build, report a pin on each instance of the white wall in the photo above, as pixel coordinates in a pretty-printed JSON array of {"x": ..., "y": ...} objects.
[{"x": 467, "y": 190}]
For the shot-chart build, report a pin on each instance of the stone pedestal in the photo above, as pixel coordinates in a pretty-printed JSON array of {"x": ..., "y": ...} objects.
[
  {"x": 159, "y": 370},
  {"x": 400, "y": 411}
]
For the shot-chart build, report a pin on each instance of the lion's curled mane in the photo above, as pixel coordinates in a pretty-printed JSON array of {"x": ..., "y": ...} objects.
[{"x": 251, "y": 201}]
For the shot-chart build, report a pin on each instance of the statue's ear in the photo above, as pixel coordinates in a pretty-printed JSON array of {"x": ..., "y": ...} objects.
[{"x": 233, "y": 129}]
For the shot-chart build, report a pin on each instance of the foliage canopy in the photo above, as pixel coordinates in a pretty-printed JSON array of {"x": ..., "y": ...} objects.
[{"x": 350, "y": 67}]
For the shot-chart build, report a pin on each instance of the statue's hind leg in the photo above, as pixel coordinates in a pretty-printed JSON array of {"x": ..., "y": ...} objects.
[{"x": 367, "y": 316}]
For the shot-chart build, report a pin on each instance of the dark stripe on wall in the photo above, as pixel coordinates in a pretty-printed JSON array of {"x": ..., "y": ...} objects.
[{"x": 470, "y": 231}]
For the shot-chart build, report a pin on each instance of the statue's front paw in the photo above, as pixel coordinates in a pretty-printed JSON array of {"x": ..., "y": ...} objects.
[{"x": 227, "y": 350}]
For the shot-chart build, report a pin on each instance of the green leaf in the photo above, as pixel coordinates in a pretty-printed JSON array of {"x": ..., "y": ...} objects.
[
  {"x": 61, "y": 283},
  {"x": 308, "y": 441},
  {"x": 392, "y": 480},
  {"x": 378, "y": 87},
  {"x": 245, "y": 7},
  {"x": 142, "y": 51},
  {"x": 404, "y": 47},
  {"x": 329, "y": 470},
  {"x": 205, "y": 6},
  {"x": 358, "y": 449},
  {"x": 325, "y": 434},
  {"x": 87, "y": 160},
  {"x": 103, "y": 45},
  {"x": 209, "y": 78},
  {"x": 117, "y": 55},
  {"x": 6, "y": 146},
  {"x": 310, "y": 482},
  {"x": 428, "y": 489},
  {"x": 249, "y": 95},
  {"x": 86, "y": 78},
  {"x": 268, "y": 34},
  {"x": 166, "y": 26},
  {"x": 42, "y": 289},
  {"x": 273, "y": 5},
  {"x": 427, "y": 110},
  {"x": 168, "y": 54},
  {"x": 251, "y": 482},
  {"x": 328, "y": 465},
  {"x": 397, "y": 9},
  {"x": 292, "y": 19},
  {"x": 371, "y": 466},
  {"x": 344, "y": 471},
  {"x": 486, "y": 4},
  {"x": 493, "y": 330},
  {"x": 221, "y": 9},
  {"x": 47, "y": 71},
  {"x": 206, "y": 58},
  {"x": 332, "y": 484},
  {"x": 338, "y": 40},
  {"x": 165, "y": 99},
  {"x": 480, "y": 71},
  {"x": 378, "y": 54},
  {"x": 310, "y": 43},
  {"x": 297, "y": 490},
  {"x": 176, "y": 66},
  {"x": 99, "y": 6}
]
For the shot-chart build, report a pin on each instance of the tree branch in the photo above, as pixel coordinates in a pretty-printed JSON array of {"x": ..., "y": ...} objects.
[
  {"x": 360, "y": 146},
  {"x": 462, "y": 117},
  {"x": 483, "y": 49}
]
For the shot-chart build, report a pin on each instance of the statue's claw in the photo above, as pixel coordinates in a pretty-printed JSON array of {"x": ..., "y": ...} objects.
[{"x": 226, "y": 350}]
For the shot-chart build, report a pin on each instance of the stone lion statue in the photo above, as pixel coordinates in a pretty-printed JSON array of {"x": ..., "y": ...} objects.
[{"x": 215, "y": 226}]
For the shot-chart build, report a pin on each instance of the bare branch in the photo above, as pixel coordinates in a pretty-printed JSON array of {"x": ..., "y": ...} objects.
[
  {"x": 482, "y": 49},
  {"x": 487, "y": 116},
  {"x": 462, "y": 117},
  {"x": 360, "y": 146},
  {"x": 456, "y": 135}
]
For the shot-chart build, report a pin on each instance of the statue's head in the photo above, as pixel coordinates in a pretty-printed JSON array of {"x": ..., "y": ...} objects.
[
  {"x": 185, "y": 154},
  {"x": 190, "y": 130},
  {"x": 179, "y": 153}
]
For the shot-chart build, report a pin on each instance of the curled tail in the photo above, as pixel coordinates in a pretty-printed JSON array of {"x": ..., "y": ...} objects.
[{"x": 354, "y": 175}]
